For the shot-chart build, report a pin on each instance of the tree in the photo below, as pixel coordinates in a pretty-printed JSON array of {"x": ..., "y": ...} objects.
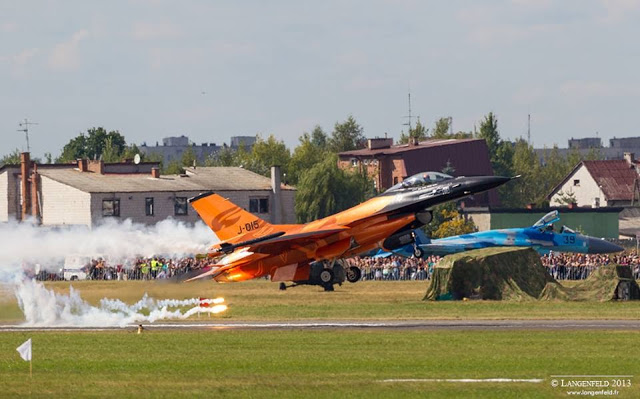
[
  {"x": 326, "y": 189},
  {"x": 92, "y": 145},
  {"x": 173, "y": 168},
  {"x": 132, "y": 150},
  {"x": 230, "y": 157},
  {"x": 13, "y": 158},
  {"x": 453, "y": 224},
  {"x": 306, "y": 155},
  {"x": 445, "y": 214},
  {"x": 319, "y": 138},
  {"x": 420, "y": 133},
  {"x": 441, "y": 130},
  {"x": 489, "y": 132},
  {"x": 567, "y": 198},
  {"x": 346, "y": 136},
  {"x": 188, "y": 157},
  {"x": 527, "y": 188},
  {"x": 500, "y": 152},
  {"x": 110, "y": 152},
  {"x": 268, "y": 153}
]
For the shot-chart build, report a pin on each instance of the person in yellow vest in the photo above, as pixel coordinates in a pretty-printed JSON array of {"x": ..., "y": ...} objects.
[
  {"x": 144, "y": 268},
  {"x": 154, "y": 268}
]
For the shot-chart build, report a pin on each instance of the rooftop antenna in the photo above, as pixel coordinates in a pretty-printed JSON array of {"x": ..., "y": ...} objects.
[
  {"x": 409, "y": 116},
  {"x": 25, "y": 128}
]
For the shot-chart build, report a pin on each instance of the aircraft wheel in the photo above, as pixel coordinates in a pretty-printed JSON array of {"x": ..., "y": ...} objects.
[
  {"x": 418, "y": 252},
  {"x": 353, "y": 274},
  {"x": 326, "y": 276}
]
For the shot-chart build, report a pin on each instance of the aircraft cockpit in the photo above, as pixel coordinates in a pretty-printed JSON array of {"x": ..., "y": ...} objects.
[
  {"x": 421, "y": 179},
  {"x": 547, "y": 220},
  {"x": 566, "y": 230}
]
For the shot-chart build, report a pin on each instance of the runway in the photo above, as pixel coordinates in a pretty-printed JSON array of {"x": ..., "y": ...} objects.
[{"x": 366, "y": 325}]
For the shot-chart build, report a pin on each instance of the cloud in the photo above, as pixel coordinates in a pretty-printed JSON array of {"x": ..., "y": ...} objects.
[
  {"x": 154, "y": 31},
  {"x": 65, "y": 55}
]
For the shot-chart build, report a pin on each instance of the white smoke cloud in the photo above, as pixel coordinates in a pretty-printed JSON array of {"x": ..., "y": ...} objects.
[
  {"x": 23, "y": 245},
  {"x": 45, "y": 308}
]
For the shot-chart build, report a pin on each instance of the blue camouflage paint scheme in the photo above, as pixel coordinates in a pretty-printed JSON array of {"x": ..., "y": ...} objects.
[{"x": 540, "y": 236}]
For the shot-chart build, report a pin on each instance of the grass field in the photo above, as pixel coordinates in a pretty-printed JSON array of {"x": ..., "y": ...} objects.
[
  {"x": 261, "y": 300},
  {"x": 325, "y": 363},
  {"x": 316, "y": 363}
]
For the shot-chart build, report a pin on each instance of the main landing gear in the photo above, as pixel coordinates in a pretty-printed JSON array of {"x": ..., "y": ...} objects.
[{"x": 329, "y": 273}]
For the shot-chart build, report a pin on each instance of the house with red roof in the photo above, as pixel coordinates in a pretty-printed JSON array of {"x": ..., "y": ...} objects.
[{"x": 608, "y": 183}]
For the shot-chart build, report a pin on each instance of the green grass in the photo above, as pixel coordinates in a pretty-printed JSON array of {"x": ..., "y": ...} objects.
[
  {"x": 261, "y": 300},
  {"x": 307, "y": 363}
]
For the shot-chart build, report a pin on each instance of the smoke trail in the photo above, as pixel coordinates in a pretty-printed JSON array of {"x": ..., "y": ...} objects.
[
  {"x": 45, "y": 308},
  {"x": 23, "y": 245}
]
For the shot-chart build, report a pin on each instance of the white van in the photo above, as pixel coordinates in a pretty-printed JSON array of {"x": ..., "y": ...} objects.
[{"x": 75, "y": 267}]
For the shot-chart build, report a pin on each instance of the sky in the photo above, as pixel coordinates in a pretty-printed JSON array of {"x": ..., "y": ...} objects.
[{"x": 215, "y": 69}]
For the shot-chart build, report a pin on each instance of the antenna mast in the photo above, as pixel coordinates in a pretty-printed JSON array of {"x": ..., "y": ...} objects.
[
  {"x": 25, "y": 128},
  {"x": 529, "y": 129},
  {"x": 409, "y": 116}
]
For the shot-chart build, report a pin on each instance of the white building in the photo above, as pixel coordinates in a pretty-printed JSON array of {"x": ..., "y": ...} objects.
[
  {"x": 598, "y": 184},
  {"x": 90, "y": 191}
]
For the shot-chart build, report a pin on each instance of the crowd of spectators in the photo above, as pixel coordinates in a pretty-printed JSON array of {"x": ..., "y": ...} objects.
[{"x": 562, "y": 266}]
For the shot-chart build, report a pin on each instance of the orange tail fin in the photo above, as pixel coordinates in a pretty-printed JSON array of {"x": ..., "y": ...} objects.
[{"x": 227, "y": 220}]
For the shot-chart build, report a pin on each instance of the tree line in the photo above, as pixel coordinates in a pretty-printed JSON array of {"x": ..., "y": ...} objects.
[{"x": 323, "y": 188}]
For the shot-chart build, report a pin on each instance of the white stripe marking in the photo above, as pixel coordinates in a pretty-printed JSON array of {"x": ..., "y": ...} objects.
[{"x": 534, "y": 380}]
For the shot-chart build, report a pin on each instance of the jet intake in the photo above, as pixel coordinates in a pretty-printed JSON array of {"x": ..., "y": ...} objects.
[
  {"x": 424, "y": 217},
  {"x": 398, "y": 240}
]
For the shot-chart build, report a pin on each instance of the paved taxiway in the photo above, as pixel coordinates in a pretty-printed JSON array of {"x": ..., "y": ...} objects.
[{"x": 384, "y": 325}]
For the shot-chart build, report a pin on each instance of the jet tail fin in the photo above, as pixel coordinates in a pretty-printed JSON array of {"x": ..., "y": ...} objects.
[
  {"x": 227, "y": 220},
  {"x": 421, "y": 237}
]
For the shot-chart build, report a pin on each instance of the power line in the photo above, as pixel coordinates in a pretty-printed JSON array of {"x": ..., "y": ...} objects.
[{"x": 25, "y": 128}]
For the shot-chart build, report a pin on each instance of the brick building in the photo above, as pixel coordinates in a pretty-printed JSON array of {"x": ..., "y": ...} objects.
[
  {"x": 389, "y": 164},
  {"x": 87, "y": 192}
]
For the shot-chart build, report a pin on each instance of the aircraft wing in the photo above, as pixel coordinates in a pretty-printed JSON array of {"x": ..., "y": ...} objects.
[{"x": 286, "y": 241}]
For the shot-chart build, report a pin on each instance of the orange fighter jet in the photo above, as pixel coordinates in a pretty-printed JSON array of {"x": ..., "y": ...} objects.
[{"x": 307, "y": 253}]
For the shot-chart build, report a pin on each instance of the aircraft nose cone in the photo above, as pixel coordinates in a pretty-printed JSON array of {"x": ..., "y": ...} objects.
[
  {"x": 599, "y": 246},
  {"x": 483, "y": 183}
]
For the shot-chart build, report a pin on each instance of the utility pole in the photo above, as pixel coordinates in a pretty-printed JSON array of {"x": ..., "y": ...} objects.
[{"x": 25, "y": 128}]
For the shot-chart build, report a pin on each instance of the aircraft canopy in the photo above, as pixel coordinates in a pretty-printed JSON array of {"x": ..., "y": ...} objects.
[
  {"x": 421, "y": 179},
  {"x": 547, "y": 219}
]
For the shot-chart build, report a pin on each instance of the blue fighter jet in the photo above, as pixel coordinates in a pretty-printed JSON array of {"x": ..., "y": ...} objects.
[{"x": 540, "y": 236}]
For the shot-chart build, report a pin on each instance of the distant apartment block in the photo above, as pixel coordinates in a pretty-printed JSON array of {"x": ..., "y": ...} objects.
[
  {"x": 617, "y": 147},
  {"x": 173, "y": 148}
]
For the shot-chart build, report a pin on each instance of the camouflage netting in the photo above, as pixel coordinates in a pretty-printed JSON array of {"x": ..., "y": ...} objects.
[
  {"x": 489, "y": 273},
  {"x": 517, "y": 274},
  {"x": 606, "y": 283}
]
